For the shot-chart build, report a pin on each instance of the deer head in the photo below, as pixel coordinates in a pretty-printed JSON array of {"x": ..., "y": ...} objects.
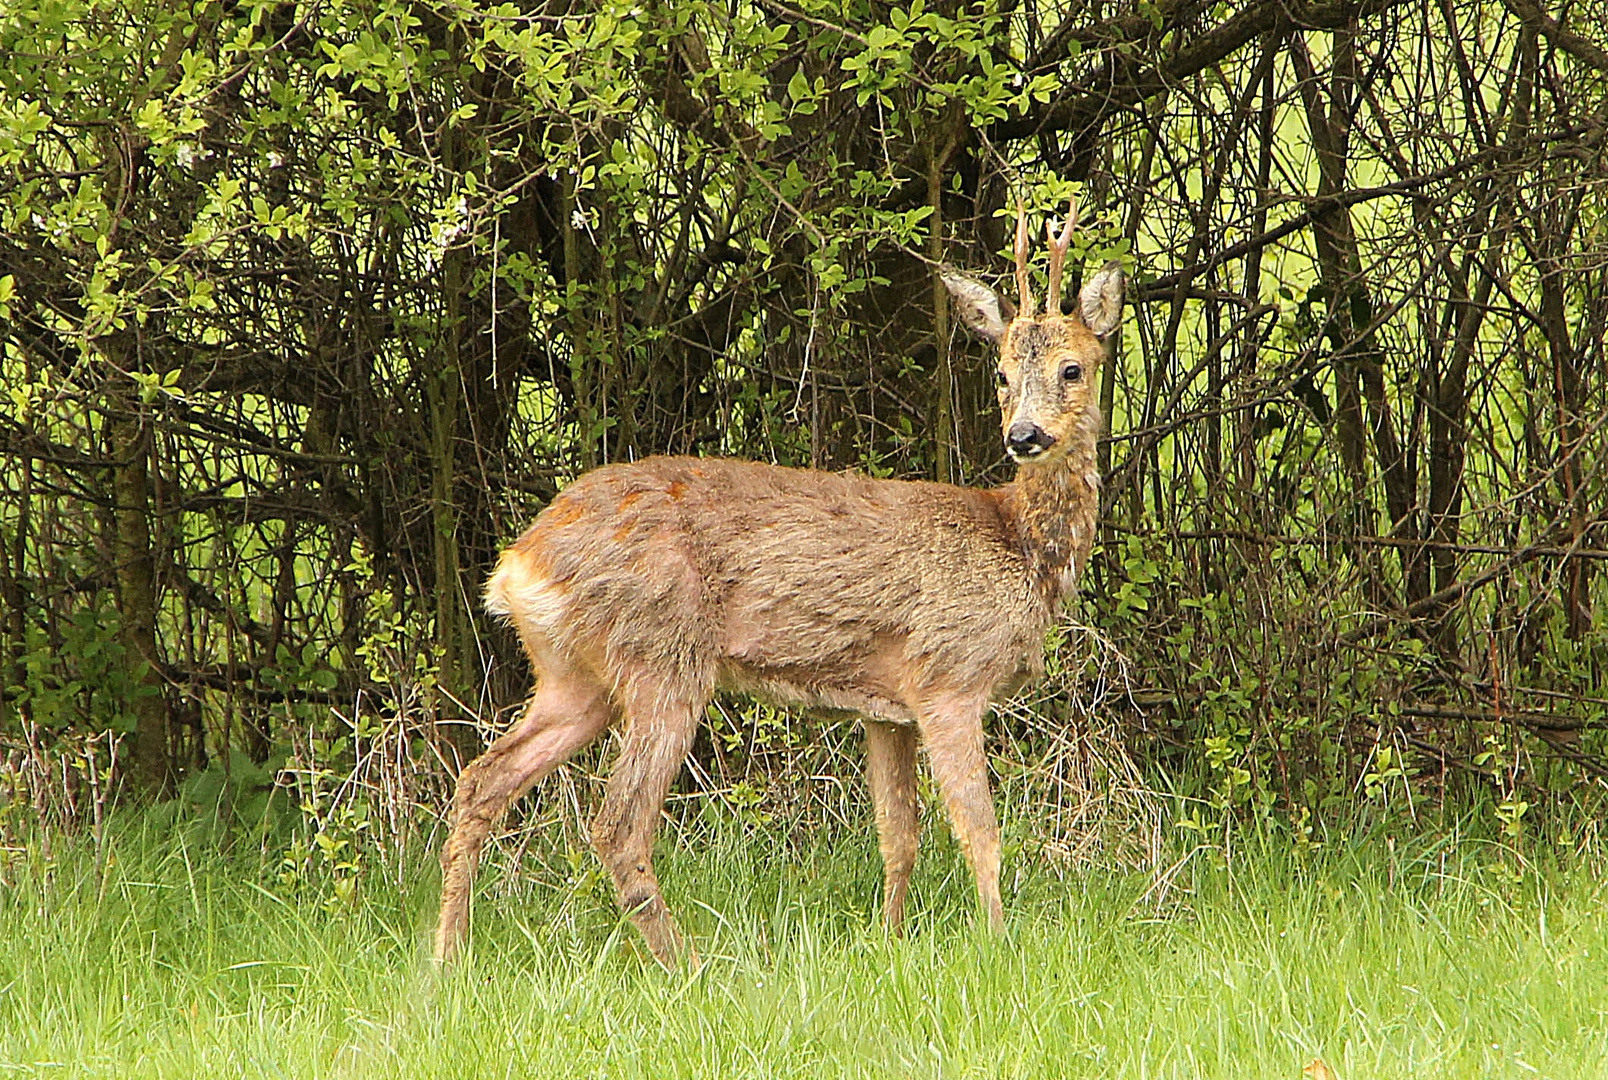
[{"x": 1047, "y": 363}]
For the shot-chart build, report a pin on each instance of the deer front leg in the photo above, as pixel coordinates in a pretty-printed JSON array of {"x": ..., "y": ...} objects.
[
  {"x": 656, "y": 744},
  {"x": 890, "y": 766},
  {"x": 954, "y": 738},
  {"x": 563, "y": 716}
]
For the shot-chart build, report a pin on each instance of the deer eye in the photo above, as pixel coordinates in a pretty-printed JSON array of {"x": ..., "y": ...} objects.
[
  {"x": 1072, "y": 372},
  {"x": 1000, "y": 380}
]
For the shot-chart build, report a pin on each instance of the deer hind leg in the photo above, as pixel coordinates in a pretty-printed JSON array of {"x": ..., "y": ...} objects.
[
  {"x": 890, "y": 766},
  {"x": 954, "y": 738},
  {"x": 566, "y": 712},
  {"x": 658, "y": 737}
]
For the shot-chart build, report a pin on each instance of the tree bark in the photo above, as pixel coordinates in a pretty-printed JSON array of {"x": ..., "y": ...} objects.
[{"x": 128, "y": 435}]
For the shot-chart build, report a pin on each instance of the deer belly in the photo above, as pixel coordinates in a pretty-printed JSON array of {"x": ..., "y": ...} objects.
[{"x": 820, "y": 666}]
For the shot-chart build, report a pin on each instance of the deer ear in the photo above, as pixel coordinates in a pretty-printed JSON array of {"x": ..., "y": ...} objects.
[
  {"x": 980, "y": 308},
  {"x": 1100, "y": 302}
]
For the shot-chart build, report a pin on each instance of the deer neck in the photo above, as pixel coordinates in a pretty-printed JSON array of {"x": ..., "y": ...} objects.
[{"x": 1055, "y": 506}]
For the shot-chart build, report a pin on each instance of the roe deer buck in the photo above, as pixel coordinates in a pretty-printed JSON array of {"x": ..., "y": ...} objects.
[{"x": 642, "y": 587}]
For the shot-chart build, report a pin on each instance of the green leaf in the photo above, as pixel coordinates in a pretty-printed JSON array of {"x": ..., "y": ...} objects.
[{"x": 798, "y": 87}]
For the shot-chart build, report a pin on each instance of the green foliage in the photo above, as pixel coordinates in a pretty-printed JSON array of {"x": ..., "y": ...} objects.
[
  {"x": 348, "y": 290},
  {"x": 81, "y": 680}
]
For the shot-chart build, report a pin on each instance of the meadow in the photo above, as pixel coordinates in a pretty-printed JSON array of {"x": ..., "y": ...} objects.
[{"x": 166, "y": 954}]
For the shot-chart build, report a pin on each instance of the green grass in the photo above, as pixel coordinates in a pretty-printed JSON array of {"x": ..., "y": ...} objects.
[{"x": 1441, "y": 961}]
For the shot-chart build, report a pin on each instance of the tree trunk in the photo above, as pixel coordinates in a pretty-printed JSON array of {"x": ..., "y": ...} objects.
[{"x": 128, "y": 436}]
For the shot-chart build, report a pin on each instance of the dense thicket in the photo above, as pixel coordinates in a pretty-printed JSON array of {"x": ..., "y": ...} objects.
[{"x": 307, "y": 307}]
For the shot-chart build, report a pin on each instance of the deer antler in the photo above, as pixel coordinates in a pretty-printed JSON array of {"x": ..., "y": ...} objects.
[
  {"x": 1059, "y": 246},
  {"x": 1024, "y": 291}
]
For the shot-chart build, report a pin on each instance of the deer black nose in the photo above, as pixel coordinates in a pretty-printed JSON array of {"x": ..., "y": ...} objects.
[{"x": 1026, "y": 440}]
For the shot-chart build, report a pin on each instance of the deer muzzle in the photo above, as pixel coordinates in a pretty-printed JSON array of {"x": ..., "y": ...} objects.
[{"x": 1025, "y": 440}]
